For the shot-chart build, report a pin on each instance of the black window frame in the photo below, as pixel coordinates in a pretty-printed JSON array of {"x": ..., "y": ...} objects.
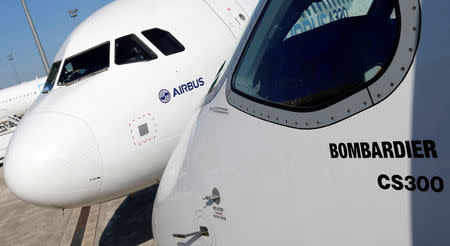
[
  {"x": 107, "y": 43},
  {"x": 52, "y": 76},
  {"x": 147, "y": 49},
  {"x": 150, "y": 33}
]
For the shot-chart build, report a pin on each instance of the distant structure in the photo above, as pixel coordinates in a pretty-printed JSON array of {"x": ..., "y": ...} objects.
[
  {"x": 11, "y": 59},
  {"x": 73, "y": 13}
]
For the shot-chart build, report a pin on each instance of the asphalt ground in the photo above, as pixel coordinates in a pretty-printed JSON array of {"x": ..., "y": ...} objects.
[{"x": 124, "y": 221}]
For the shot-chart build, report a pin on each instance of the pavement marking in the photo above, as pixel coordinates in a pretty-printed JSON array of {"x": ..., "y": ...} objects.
[
  {"x": 70, "y": 211},
  {"x": 91, "y": 226},
  {"x": 81, "y": 227},
  {"x": 70, "y": 227}
]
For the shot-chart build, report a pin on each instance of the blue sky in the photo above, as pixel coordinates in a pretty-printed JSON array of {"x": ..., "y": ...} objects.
[{"x": 53, "y": 25}]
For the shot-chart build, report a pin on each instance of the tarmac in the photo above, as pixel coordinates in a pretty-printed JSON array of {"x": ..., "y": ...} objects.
[{"x": 124, "y": 221}]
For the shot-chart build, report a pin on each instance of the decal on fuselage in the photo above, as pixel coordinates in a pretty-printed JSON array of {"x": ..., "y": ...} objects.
[
  {"x": 219, "y": 213},
  {"x": 165, "y": 96},
  {"x": 410, "y": 183},
  {"x": 143, "y": 129},
  {"x": 385, "y": 149}
]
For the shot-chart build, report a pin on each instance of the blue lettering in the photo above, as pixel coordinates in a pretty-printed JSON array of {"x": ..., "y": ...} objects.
[
  {"x": 175, "y": 92},
  {"x": 297, "y": 29},
  {"x": 195, "y": 85},
  {"x": 331, "y": 17},
  {"x": 306, "y": 24},
  {"x": 184, "y": 88},
  {"x": 323, "y": 18},
  {"x": 345, "y": 11},
  {"x": 341, "y": 12},
  {"x": 314, "y": 9},
  {"x": 190, "y": 86},
  {"x": 312, "y": 23},
  {"x": 318, "y": 6}
]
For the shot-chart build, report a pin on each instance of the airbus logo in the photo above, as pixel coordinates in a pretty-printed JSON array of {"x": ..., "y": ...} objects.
[{"x": 164, "y": 96}]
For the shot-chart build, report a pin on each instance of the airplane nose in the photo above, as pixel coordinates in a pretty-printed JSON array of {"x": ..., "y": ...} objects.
[{"x": 53, "y": 160}]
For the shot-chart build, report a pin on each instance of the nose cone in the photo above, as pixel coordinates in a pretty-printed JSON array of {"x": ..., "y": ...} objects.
[{"x": 53, "y": 160}]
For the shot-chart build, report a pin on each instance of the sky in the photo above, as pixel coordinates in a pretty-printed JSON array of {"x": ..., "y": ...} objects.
[{"x": 53, "y": 24}]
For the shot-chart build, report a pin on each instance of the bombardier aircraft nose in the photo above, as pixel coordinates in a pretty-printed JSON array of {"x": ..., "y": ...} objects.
[{"x": 53, "y": 160}]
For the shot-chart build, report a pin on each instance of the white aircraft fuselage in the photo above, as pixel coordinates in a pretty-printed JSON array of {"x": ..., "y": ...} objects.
[
  {"x": 106, "y": 129},
  {"x": 15, "y": 100},
  {"x": 332, "y": 136}
]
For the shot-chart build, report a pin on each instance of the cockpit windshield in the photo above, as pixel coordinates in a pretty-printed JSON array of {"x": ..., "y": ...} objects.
[
  {"x": 84, "y": 64},
  {"x": 306, "y": 54},
  {"x": 51, "y": 77}
]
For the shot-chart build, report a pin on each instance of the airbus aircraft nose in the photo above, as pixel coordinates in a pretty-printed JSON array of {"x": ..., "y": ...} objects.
[{"x": 54, "y": 161}]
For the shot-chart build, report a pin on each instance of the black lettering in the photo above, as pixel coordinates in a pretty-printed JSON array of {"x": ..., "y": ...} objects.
[
  {"x": 417, "y": 148},
  {"x": 387, "y": 149},
  {"x": 412, "y": 182},
  {"x": 376, "y": 150},
  {"x": 425, "y": 186},
  {"x": 408, "y": 149},
  {"x": 342, "y": 150},
  {"x": 333, "y": 150},
  {"x": 397, "y": 180},
  {"x": 380, "y": 181},
  {"x": 437, "y": 187},
  {"x": 399, "y": 149},
  {"x": 353, "y": 150},
  {"x": 429, "y": 147},
  {"x": 365, "y": 150}
]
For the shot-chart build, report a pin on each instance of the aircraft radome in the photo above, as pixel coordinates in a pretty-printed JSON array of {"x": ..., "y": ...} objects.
[
  {"x": 120, "y": 92},
  {"x": 330, "y": 127}
]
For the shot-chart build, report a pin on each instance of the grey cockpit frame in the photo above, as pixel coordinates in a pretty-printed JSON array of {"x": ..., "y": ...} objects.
[{"x": 361, "y": 100}]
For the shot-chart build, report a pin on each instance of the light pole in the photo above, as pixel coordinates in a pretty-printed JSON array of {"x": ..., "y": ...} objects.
[
  {"x": 11, "y": 58},
  {"x": 36, "y": 38}
]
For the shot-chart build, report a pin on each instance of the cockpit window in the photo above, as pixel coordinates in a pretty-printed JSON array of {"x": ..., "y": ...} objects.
[
  {"x": 50, "y": 82},
  {"x": 164, "y": 41},
  {"x": 306, "y": 54},
  {"x": 130, "y": 49},
  {"x": 86, "y": 63}
]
